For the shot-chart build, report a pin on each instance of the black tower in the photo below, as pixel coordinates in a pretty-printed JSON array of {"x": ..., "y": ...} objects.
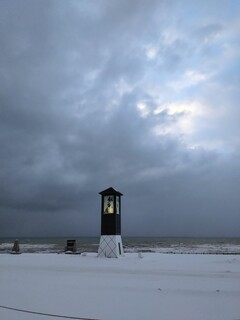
[
  {"x": 111, "y": 212},
  {"x": 111, "y": 241}
]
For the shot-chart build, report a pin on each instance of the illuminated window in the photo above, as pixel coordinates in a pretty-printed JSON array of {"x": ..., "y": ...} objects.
[
  {"x": 108, "y": 204},
  {"x": 117, "y": 205}
]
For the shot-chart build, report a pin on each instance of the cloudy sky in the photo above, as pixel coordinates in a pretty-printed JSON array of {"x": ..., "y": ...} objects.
[{"x": 139, "y": 95}]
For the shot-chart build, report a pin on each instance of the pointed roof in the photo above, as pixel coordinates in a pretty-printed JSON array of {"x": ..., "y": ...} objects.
[{"x": 110, "y": 191}]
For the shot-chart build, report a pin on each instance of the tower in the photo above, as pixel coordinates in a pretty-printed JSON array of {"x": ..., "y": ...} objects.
[{"x": 111, "y": 241}]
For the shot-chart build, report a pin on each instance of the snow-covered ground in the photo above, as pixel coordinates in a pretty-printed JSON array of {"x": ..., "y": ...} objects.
[{"x": 156, "y": 286}]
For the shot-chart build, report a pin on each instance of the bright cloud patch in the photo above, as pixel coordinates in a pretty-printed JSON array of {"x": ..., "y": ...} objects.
[
  {"x": 188, "y": 79},
  {"x": 183, "y": 119},
  {"x": 151, "y": 53},
  {"x": 143, "y": 109}
]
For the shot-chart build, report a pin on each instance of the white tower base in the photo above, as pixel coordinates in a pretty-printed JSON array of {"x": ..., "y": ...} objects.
[{"x": 110, "y": 246}]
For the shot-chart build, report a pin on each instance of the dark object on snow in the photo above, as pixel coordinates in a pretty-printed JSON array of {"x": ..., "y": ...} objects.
[
  {"x": 16, "y": 248},
  {"x": 71, "y": 246}
]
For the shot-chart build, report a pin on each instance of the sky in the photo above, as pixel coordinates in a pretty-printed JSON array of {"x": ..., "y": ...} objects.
[{"x": 142, "y": 96}]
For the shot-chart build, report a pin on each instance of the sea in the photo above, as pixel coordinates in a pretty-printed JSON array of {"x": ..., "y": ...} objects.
[{"x": 171, "y": 245}]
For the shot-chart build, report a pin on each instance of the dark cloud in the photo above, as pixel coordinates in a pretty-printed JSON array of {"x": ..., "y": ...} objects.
[{"x": 74, "y": 77}]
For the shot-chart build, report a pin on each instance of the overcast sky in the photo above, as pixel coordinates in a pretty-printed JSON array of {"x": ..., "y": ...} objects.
[{"x": 138, "y": 95}]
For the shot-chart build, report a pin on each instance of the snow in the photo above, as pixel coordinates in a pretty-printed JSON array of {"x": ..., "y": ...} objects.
[{"x": 147, "y": 286}]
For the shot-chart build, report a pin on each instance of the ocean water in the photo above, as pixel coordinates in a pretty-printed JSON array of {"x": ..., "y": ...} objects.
[{"x": 130, "y": 244}]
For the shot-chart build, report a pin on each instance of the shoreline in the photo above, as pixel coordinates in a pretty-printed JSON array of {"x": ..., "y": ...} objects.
[
  {"x": 135, "y": 252},
  {"x": 130, "y": 245}
]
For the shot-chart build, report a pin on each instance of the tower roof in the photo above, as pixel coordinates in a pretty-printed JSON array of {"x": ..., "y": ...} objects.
[{"x": 110, "y": 191}]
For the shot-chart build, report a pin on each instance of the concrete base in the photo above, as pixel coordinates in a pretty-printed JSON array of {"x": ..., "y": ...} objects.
[{"x": 110, "y": 246}]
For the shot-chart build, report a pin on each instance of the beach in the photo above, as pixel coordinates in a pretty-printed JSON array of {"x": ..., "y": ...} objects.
[{"x": 137, "y": 286}]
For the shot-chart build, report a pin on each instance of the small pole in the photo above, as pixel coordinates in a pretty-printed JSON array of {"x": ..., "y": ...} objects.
[{"x": 16, "y": 248}]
